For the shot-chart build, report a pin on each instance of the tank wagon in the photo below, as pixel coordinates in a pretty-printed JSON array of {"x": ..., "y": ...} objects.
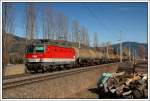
[{"x": 46, "y": 57}]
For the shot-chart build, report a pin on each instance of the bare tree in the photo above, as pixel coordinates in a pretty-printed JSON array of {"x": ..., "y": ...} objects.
[
  {"x": 125, "y": 52},
  {"x": 95, "y": 40},
  {"x": 57, "y": 24},
  {"x": 56, "y": 29},
  {"x": 7, "y": 30},
  {"x": 30, "y": 21},
  {"x": 84, "y": 36},
  {"x": 108, "y": 49},
  {"x": 62, "y": 26},
  {"x": 87, "y": 38},
  {"x": 141, "y": 51},
  {"x": 65, "y": 27},
  {"x": 75, "y": 31},
  {"x": 103, "y": 47},
  {"x": 48, "y": 23}
]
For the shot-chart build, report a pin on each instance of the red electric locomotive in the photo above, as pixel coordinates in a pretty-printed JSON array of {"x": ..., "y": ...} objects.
[{"x": 46, "y": 57}]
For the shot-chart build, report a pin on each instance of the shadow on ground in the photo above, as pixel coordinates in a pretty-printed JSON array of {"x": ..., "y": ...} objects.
[
  {"x": 103, "y": 95},
  {"x": 109, "y": 95}
]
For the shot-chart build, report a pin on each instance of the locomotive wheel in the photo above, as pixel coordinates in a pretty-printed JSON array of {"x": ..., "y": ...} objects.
[
  {"x": 77, "y": 65},
  {"x": 54, "y": 68},
  {"x": 50, "y": 69},
  {"x": 60, "y": 67},
  {"x": 36, "y": 71},
  {"x": 44, "y": 69},
  {"x": 66, "y": 67},
  {"x": 63, "y": 67}
]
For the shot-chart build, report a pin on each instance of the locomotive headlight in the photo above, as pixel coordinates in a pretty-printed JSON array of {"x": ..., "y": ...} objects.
[{"x": 34, "y": 56}]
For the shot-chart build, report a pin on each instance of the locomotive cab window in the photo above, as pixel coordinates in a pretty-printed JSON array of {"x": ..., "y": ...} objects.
[{"x": 39, "y": 48}]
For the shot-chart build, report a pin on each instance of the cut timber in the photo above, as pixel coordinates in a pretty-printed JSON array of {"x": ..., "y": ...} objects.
[
  {"x": 118, "y": 74},
  {"x": 132, "y": 79}
]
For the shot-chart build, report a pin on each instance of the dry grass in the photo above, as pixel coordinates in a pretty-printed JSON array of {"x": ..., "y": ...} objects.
[{"x": 15, "y": 69}]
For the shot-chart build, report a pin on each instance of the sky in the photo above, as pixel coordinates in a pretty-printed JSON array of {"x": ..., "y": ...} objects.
[{"x": 107, "y": 19}]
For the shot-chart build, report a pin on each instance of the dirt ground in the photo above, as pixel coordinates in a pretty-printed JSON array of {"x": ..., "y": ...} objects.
[
  {"x": 86, "y": 94},
  {"x": 15, "y": 69}
]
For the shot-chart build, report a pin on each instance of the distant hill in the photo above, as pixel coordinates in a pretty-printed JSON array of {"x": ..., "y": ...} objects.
[
  {"x": 132, "y": 46},
  {"x": 18, "y": 44}
]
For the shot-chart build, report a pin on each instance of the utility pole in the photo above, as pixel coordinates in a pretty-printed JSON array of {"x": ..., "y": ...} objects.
[
  {"x": 129, "y": 52},
  {"x": 135, "y": 54},
  {"x": 79, "y": 39},
  {"x": 79, "y": 43},
  {"x": 120, "y": 47},
  {"x": 134, "y": 60},
  {"x": 107, "y": 50}
]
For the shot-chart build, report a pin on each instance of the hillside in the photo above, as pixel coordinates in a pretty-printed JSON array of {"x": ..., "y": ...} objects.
[
  {"x": 18, "y": 45},
  {"x": 132, "y": 46}
]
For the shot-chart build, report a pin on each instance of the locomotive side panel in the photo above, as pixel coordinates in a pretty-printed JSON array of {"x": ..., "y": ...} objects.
[{"x": 58, "y": 54}]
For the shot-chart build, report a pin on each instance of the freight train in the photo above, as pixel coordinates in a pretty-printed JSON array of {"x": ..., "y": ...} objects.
[{"x": 43, "y": 57}]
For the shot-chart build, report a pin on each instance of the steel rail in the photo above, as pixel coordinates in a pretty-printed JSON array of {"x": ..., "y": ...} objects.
[{"x": 15, "y": 76}]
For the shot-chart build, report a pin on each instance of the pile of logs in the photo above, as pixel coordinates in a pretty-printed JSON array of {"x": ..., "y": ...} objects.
[{"x": 123, "y": 85}]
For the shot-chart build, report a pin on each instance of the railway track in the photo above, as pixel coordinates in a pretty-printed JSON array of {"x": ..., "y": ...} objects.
[
  {"x": 15, "y": 76},
  {"x": 29, "y": 74},
  {"x": 27, "y": 79}
]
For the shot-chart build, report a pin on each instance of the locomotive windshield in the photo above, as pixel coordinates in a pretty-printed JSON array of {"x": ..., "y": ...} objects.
[
  {"x": 39, "y": 48},
  {"x": 35, "y": 48}
]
